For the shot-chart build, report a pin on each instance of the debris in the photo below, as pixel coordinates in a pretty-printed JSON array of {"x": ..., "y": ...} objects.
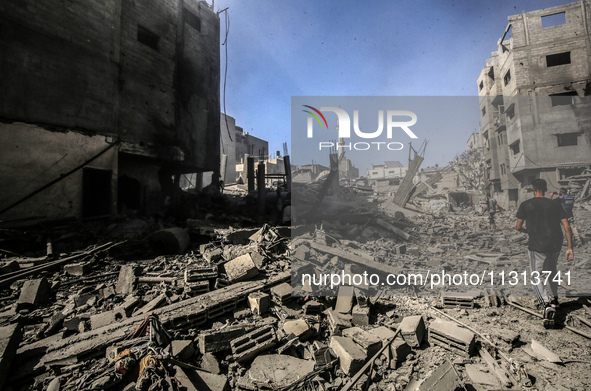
[
  {"x": 350, "y": 355},
  {"x": 276, "y": 371},
  {"x": 34, "y": 293},
  {"x": 413, "y": 330},
  {"x": 544, "y": 353},
  {"x": 10, "y": 337},
  {"x": 259, "y": 302},
  {"x": 452, "y": 337},
  {"x": 445, "y": 378},
  {"x": 241, "y": 268},
  {"x": 248, "y": 346}
]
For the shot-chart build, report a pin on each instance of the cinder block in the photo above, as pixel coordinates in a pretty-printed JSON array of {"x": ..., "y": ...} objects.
[
  {"x": 35, "y": 292},
  {"x": 213, "y": 341},
  {"x": 241, "y": 269},
  {"x": 336, "y": 322},
  {"x": 450, "y": 336},
  {"x": 213, "y": 255},
  {"x": 313, "y": 307},
  {"x": 194, "y": 274},
  {"x": 248, "y": 346},
  {"x": 412, "y": 329},
  {"x": 259, "y": 302},
  {"x": 383, "y": 333},
  {"x": 350, "y": 355},
  {"x": 281, "y": 293}
]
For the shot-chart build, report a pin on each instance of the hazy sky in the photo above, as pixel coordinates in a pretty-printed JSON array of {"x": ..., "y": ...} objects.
[{"x": 279, "y": 49}]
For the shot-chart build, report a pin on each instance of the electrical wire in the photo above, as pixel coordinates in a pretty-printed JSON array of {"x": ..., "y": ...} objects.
[{"x": 225, "y": 44}]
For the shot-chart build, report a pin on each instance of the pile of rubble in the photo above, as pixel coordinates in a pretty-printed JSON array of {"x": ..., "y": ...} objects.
[{"x": 219, "y": 312}]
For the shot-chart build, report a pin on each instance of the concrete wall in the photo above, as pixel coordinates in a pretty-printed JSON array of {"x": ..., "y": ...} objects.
[
  {"x": 33, "y": 157},
  {"x": 249, "y": 144},
  {"x": 228, "y": 147}
]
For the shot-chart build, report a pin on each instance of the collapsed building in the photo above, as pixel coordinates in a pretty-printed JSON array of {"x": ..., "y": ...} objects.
[
  {"x": 105, "y": 104},
  {"x": 535, "y": 121}
]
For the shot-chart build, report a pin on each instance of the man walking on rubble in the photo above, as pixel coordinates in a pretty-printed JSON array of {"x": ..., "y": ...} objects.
[
  {"x": 567, "y": 202},
  {"x": 543, "y": 218},
  {"x": 491, "y": 207}
]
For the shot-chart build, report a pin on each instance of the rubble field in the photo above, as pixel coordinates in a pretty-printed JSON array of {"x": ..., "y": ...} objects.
[{"x": 207, "y": 304}]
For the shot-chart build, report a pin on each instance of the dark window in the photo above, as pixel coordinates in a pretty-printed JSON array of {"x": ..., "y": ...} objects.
[
  {"x": 568, "y": 172},
  {"x": 191, "y": 19},
  {"x": 513, "y": 194},
  {"x": 507, "y": 77},
  {"x": 510, "y": 111},
  {"x": 96, "y": 192},
  {"x": 483, "y": 111},
  {"x": 515, "y": 147},
  {"x": 553, "y": 19},
  {"x": 553, "y": 60},
  {"x": 491, "y": 73},
  {"x": 481, "y": 86},
  {"x": 147, "y": 37},
  {"x": 563, "y": 99},
  {"x": 566, "y": 139}
]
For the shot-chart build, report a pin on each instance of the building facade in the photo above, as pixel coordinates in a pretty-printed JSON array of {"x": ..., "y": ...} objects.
[
  {"x": 534, "y": 101},
  {"x": 127, "y": 91}
]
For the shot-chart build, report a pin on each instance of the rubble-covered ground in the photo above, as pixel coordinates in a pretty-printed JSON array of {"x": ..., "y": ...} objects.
[{"x": 206, "y": 304}]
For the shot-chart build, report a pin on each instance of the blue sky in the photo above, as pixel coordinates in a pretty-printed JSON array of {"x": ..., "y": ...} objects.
[{"x": 279, "y": 49}]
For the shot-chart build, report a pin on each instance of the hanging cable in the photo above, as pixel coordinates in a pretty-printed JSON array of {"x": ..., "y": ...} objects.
[{"x": 225, "y": 44}]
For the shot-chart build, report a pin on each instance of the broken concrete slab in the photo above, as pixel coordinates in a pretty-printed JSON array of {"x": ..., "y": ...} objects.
[
  {"x": 152, "y": 305},
  {"x": 368, "y": 342},
  {"x": 241, "y": 269},
  {"x": 260, "y": 302},
  {"x": 351, "y": 356},
  {"x": 336, "y": 322},
  {"x": 399, "y": 351},
  {"x": 182, "y": 349},
  {"x": 34, "y": 293},
  {"x": 281, "y": 293},
  {"x": 127, "y": 279},
  {"x": 106, "y": 318},
  {"x": 383, "y": 333},
  {"x": 277, "y": 371},
  {"x": 544, "y": 353},
  {"x": 300, "y": 328},
  {"x": 210, "y": 363},
  {"x": 345, "y": 297},
  {"x": 413, "y": 330},
  {"x": 195, "y": 380},
  {"x": 444, "y": 378},
  {"x": 479, "y": 377},
  {"x": 77, "y": 269},
  {"x": 10, "y": 338}
]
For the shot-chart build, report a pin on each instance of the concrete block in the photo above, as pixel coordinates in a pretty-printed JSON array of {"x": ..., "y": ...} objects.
[
  {"x": 213, "y": 341},
  {"x": 300, "y": 328},
  {"x": 450, "y": 336},
  {"x": 106, "y": 318},
  {"x": 278, "y": 371},
  {"x": 259, "y": 302},
  {"x": 360, "y": 315},
  {"x": 213, "y": 255},
  {"x": 399, "y": 351},
  {"x": 241, "y": 269},
  {"x": 196, "y": 288},
  {"x": 281, "y": 293},
  {"x": 195, "y": 274},
  {"x": 34, "y": 292},
  {"x": 77, "y": 269},
  {"x": 248, "y": 346},
  {"x": 336, "y": 322},
  {"x": 479, "y": 377},
  {"x": 443, "y": 378},
  {"x": 182, "y": 349},
  {"x": 10, "y": 338},
  {"x": 344, "y": 302},
  {"x": 350, "y": 355},
  {"x": 258, "y": 259},
  {"x": 127, "y": 279},
  {"x": 413, "y": 330}
]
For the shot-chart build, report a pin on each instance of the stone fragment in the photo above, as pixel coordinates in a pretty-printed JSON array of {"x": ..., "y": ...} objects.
[{"x": 350, "y": 355}]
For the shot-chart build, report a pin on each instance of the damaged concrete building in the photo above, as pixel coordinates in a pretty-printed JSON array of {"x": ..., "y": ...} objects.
[
  {"x": 535, "y": 119},
  {"x": 110, "y": 101}
]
